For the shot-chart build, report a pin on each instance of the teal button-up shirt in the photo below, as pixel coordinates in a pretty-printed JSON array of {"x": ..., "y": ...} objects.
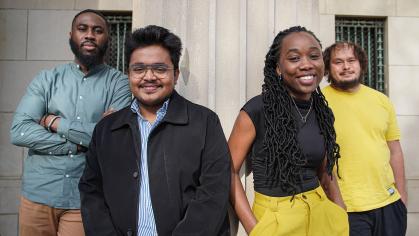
[{"x": 53, "y": 167}]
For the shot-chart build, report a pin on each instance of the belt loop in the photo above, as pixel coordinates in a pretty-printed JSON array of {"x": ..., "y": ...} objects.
[
  {"x": 320, "y": 192},
  {"x": 273, "y": 204}
]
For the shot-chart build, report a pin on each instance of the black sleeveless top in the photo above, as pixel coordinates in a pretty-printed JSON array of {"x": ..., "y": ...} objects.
[{"x": 309, "y": 137}]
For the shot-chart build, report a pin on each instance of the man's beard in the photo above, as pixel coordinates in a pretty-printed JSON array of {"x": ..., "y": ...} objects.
[
  {"x": 91, "y": 60},
  {"x": 345, "y": 85}
]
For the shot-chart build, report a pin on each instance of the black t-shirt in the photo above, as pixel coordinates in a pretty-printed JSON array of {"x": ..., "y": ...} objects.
[{"x": 309, "y": 137}]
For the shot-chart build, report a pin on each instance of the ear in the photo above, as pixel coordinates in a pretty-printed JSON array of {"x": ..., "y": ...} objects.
[
  {"x": 278, "y": 71},
  {"x": 176, "y": 77},
  {"x": 70, "y": 34}
]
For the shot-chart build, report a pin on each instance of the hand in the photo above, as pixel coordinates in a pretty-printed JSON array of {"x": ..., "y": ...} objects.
[
  {"x": 47, "y": 118},
  {"x": 342, "y": 204},
  {"x": 252, "y": 227},
  {"x": 81, "y": 148},
  {"x": 108, "y": 112},
  {"x": 403, "y": 197},
  {"x": 42, "y": 121}
]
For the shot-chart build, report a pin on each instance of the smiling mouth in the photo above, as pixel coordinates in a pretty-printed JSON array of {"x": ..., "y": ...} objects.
[
  {"x": 150, "y": 88},
  {"x": 306, "y": 78}
]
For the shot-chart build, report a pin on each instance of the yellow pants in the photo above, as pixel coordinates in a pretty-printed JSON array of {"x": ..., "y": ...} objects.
[{"x": 310, "y": 214}]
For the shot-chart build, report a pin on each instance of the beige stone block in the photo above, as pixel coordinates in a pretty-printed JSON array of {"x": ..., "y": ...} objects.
[
  {"x": 13, "y": 43},
  {"x": 10, "y": 156},
  {"x": 147, "y": 13},
  {"x": 260, "y": 35},
  {"x": 323, "y": 6},
  {"x": 297, "y": 12},
  {"x": 403, "y": 91},
  {"x": 9, "y": 225},
  {"x": 407, "y": 8},
  {"x": 403, "y": 34},
  {"x": 413, "y": 193},
  {"x": 361, "y": 7},
  {"x": 409, "y": 132},
  {"x": 327, "y": 30},
  {"x": 15, "y": 77},
  {"x": 285, "y": 14},
  {"x": 227, "y": 62},
  {"x": 412, "y": 224},
  {"x": 104, "y": 5},
  {"x": 190, "y": 21},
  {"x": 48, "y": 34},
  {"x": 37, "y": 4},
  {"x": 9, "y": 197}
]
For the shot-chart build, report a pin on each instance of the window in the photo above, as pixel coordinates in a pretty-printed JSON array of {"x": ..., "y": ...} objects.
[
  {"x": 120, "y": 25},
  {"x": 369, "y": 34}
]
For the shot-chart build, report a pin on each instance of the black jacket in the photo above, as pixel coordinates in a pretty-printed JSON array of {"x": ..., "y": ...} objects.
[{"x": 188, "y": 166}]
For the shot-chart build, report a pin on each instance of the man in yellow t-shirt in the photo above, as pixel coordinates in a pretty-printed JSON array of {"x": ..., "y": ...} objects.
[{"x": 371, "y": 168}]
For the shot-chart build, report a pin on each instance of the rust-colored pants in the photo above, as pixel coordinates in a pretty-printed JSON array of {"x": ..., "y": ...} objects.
[{"x": 40, "y": 220}]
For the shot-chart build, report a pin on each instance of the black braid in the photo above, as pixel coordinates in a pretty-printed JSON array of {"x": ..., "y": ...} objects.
[{"x": 285, "y": 158}]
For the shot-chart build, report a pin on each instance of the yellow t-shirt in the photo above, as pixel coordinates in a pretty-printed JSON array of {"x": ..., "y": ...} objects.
[{"x": 364, "y": 121}]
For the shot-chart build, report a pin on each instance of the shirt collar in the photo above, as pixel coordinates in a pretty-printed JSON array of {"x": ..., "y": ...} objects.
[
  {"x": 94, "y": 70},
  {"x": 135, "y": 108}
]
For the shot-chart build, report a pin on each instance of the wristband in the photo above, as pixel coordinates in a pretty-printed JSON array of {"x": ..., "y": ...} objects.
[{"x": 51, "y": 122}]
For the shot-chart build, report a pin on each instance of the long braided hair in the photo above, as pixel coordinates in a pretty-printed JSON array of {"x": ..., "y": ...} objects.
[{"x": 285, "y": 158}]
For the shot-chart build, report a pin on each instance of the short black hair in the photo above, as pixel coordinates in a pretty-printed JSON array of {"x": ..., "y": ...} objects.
[
  {"x": 359, "y": 54},
  {"x": 90, "y": 11},
  {"x": 154, "y": 35}
]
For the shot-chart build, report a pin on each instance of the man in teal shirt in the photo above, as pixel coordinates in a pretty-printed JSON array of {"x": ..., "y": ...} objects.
[{"x": 55, "y": 120}]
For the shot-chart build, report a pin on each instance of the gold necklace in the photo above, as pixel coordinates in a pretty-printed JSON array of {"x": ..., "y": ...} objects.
[{"x": 303, "y": 118}]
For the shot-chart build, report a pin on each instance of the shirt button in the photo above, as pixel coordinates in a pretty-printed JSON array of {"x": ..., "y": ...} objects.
[
  {"x": 67, "y": 176},
  {"x": 135, "y": 175},
  {"x": 81, "y": 97},
  {"x": 21, "y": 134},
  {"x": 70, "y": 152},
  {"x": 304, "y": 197},
  {"x": 63, "y": 136},
  {"x": 78, "y": 117},
  {"x": 50, "y": 153},
  {"x": 71, "y": 155},
  {"x": 84, "y": 79},
  {"x": 81, "y": 142}
]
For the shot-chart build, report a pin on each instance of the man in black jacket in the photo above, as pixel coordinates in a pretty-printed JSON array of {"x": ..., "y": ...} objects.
[{"x": 162, "y": 165}]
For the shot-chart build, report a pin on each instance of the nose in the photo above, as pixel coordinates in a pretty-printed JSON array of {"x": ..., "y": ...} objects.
[
  {"x": 89, "y": 35},
  {"x": 346, "y": 65},
  {"x": 306, "y": 64},
  {"x": 149, "y": 75}
]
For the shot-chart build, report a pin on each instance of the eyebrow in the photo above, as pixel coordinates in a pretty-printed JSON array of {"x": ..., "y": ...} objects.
[
  {"x": 152, "y": 64},
  {"x": 344, "y": 58},
  {"x": 296, "y": 50},
  {"x": 93, "y": 25}
]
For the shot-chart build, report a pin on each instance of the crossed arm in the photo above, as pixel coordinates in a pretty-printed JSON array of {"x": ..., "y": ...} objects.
[{"x": 65, "y": 136}]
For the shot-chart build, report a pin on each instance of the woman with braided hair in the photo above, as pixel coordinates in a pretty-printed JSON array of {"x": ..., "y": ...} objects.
[{"x": 288, "y": 133}]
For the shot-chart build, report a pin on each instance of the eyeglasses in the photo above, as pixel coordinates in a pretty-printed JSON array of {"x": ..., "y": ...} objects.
[{"x": 158, "y": 70}]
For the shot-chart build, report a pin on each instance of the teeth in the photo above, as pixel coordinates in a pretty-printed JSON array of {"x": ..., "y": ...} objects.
[{"x": 307, "y": 77}]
